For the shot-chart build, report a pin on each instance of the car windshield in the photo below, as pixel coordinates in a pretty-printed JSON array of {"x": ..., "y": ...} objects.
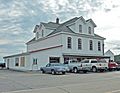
[
  {"x": 102, "y": 61},
  {"x": 57, "y": 64}
]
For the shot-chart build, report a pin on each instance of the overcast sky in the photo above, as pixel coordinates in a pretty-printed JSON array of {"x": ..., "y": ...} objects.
[{"x": 19, "y": 17}]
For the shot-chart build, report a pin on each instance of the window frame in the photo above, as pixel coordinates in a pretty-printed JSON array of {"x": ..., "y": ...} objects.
[
  {"x": 69, "y": 42},
  {"x": 22, "y": 61},
  {"x": 17, "y": 61},
  {"x": 99, "y": 46},
  {"x": 79, "y": 43},
  {"x": 80, "y": 28},
  {"x": 89, "y": 30},
  {"x": 91, "y": 45}
]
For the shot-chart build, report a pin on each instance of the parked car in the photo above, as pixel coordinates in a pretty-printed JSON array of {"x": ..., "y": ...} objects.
[
  {"x": 2, "y": 65},
  {"x": 76, "y": 66},
  {"x": 96, "y": 64},
  {"x": 118, "y": 66},
  {"x": 112, "y": 66},
  {"x": 54, "y": 68}
]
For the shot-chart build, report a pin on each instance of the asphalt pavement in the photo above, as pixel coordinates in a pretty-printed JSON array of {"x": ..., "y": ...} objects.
[{"x": 35, "y": 82}]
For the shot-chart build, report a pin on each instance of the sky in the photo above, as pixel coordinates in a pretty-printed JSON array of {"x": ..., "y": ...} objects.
[{"x": 19, "y": 17}]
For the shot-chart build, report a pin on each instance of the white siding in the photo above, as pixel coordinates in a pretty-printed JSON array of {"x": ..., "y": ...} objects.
[
  {"x": 43, "y": 57},
  {"x": 46, "y": 43},
  {"x": 85, "y": 46},
  {"x": 89, "y": 24},
  {"x": 12, "y": 63}
]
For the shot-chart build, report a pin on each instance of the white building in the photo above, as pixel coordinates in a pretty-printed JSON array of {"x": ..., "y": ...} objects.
[
  {"x": 110, "y": 54},
  {"x": 57, "y": 42}
]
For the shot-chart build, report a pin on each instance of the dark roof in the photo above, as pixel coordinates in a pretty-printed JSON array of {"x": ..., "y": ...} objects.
[
  {"x": 63, "y": 27},
  {"x": 70, "y": 21},
  {"x": 92, "y": 22},
  {"x": 50, "y": 25}
]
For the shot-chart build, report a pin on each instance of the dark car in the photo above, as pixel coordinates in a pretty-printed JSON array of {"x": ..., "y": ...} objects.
[
  {"x": 54, "y": 68},
  {"x": 2, "y": 65}
]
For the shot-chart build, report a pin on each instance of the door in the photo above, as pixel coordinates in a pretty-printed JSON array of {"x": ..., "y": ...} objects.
[{"x": 7, "y": 65}]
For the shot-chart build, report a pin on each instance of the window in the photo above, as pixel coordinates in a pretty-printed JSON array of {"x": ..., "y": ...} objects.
[
  {"x": 91, "y": 45},
  {"x": 22, "y": 61},
  {"x": 89, "y": 30},
  {"x": 93, "y": 61},
  {"x": 16, "y": 61},
  {"x": 79, "y": 43},
  {"x": 69, "y": 42},
  {"x": 35, "y": 61},
  {"x": 80, "y": 28},
  {"x": 37, "y": 35},
  {"x": 99, "y": 46},
  {"x": 54, "y": 59},
  {"x": 42, "y": 33}
]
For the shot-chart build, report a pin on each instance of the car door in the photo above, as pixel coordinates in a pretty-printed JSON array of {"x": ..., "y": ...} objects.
[
  {"x": 48, "y": 68},
  {"x": 85, "y": 64}
]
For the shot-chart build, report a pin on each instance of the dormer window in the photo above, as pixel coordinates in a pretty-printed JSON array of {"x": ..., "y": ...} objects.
[
  {"x": 42, "y": 33},
  {"x": 80, "y": 28},
  {"x": 89, "y": 30},
  {"x": 37, "y": 35}
]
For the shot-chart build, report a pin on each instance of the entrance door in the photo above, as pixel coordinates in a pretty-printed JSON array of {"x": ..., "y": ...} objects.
[
  {"x": 7, "y": 65},
  {"x": 54, "y": 59}
]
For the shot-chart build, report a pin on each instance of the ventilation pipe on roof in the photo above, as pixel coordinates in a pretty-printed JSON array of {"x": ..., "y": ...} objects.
[{"x": 57, "y": 20}]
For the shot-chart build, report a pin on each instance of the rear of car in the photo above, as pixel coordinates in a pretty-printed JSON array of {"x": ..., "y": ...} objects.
[
  {"x": 112, "y": 66},
  {"x": 102, "y": 65},
  {"x": 118, "y": 66},
  {"x": 98, "y": 65}
]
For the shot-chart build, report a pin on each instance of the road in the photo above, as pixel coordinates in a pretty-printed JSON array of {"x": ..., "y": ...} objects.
[{"x": 35, "y": 82}]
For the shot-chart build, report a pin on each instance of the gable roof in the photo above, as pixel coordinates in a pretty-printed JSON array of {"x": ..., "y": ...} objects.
[
  {"x": 50, "y": 25},
  {"x": 90, "y": 20},
  {"x": 37, "y": 26},
  {"x": 109, "y": 52},
  {"x": 64, "y": 27}
]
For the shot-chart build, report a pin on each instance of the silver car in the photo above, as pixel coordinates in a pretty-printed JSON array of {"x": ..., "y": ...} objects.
[{"x": 54, "y": 68}]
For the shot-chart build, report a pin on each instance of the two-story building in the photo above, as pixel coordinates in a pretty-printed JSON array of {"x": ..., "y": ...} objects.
[{"x": 57, "y": 42}]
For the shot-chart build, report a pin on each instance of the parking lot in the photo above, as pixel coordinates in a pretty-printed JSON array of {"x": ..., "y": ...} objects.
[{"x": 35, "y": 82}]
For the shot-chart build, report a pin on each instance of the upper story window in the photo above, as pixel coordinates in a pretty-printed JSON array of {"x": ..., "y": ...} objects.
[
  {"x": 69, "y": 42},
  {"x": 89, "y": 30},
  {"x": 42, "y": 33},
  {"x": 80, "y": 28},
  {"x": 37, "y": 35},
  {"x": 99, "y": 46},
  {"x": 91, "y": 45},
  {"x": 79, "y": 43}
]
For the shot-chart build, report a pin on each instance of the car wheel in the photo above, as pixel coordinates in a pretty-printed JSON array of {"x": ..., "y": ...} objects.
[
  {"x": 63, "y": 72},
  {"x": 53, "y": 72},
  {"x": 85, "y": 71},
  {"x": 75, "y": 70},
  {"x": 43, "y": 71},
  {"x": 94, "y": 69}
]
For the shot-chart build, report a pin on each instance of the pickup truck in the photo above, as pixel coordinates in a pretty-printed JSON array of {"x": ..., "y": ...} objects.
[
  {"x": 96, "y": 64},
  {"x": 76, "y": 66}
]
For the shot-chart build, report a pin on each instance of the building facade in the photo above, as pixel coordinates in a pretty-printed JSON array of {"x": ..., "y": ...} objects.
[{"x": 57, "y": 42}]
